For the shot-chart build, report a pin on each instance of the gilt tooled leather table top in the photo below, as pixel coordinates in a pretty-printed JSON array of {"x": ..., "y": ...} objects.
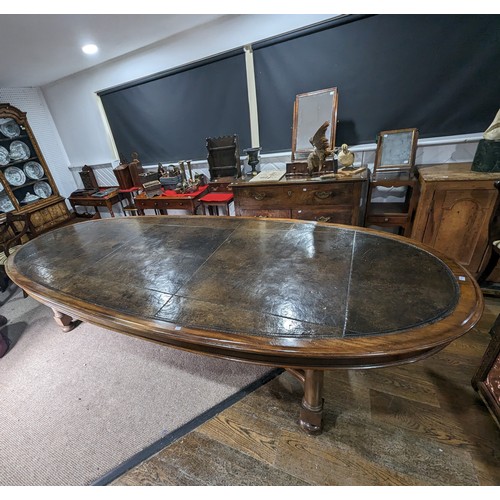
[{"x": 280, "y": 292}]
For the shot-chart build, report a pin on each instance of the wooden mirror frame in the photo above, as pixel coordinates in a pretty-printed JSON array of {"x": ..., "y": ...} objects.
[
  {"x": 406, "y": 157},
  {"x": 299, "y": 136}
]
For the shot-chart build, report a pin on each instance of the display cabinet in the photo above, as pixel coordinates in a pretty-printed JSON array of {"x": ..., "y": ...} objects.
[{"x": 26, "y": 184}]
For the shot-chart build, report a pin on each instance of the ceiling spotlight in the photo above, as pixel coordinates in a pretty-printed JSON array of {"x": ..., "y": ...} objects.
[{"x": 90, "y": 48}]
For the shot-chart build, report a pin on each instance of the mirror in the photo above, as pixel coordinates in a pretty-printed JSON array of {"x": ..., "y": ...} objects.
[
  {"x": 310, "y": 111},
  {"x": 396, "y": 149}
]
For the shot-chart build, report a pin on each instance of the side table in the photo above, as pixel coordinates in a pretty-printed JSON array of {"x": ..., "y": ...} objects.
[
  {"x": 88, "y": 200},
  {"x": 170, "y": 200}
]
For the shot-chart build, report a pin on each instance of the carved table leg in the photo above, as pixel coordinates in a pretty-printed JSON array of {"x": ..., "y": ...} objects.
[
  {"x": 311, "y": 411},
  {"x": 64, "y": 321}
]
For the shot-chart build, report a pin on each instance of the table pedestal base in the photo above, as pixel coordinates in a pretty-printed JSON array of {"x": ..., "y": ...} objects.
[{"x": 311, "y": 412}]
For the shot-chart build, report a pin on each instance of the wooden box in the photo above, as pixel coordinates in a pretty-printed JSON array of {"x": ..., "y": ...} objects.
[{"x": 124, "y": 176}]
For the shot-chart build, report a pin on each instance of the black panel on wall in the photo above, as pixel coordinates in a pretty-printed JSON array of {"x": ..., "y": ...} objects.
[
  {"x": 168, "y": 119},
  {"x": 438, "y": 73}
]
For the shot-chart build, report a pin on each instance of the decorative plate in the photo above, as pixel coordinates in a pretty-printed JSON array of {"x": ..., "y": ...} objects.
[
  {"x": 10, "y": 129},
  {"x": 19, "y": 150},
  {"x": 15, "y": 176},
  {"x": 42, "y": 189},
  {"x": 4, "y": 156},
  {"x": 33, "y": 170},
  {"x": 5, "y": 203},
  {"x": 29, "y": 198}
]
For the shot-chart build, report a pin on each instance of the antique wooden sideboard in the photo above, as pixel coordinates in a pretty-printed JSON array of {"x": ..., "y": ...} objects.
[
  {"x": 454, "y": 212},
  {"x": 341, "y": 201}
]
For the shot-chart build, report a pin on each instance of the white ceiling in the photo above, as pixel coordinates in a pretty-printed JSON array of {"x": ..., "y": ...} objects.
[{"x": 37, "y": 49}]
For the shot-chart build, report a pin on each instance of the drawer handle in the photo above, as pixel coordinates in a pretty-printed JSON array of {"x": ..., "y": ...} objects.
[
  {"x": 322, "y": 195},
  {"x": 323, "y": 219},
  {"x": 259, "y": 196},
  {"x": 289, "y": 194}
]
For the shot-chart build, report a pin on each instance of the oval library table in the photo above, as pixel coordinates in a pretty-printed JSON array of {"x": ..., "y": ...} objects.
[{"x": 304, "y": 296}]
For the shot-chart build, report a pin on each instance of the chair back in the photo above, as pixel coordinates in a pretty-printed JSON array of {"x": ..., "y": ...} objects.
[
  {"x": 223, "y": 156},
  {"x": 15, "y": 229}
]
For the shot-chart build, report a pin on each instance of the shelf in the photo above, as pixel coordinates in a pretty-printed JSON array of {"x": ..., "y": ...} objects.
[
  {"x": 29, "y": 183},
  {"x": 387, "y": 209},
  {"x": 18, "y": 138},
  {"x": 396, "y": 179},
  {"x": 18, "y": 162}
]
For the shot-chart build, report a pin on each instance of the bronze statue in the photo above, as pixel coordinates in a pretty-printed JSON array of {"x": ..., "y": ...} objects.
[{"x": 321, "y": 145}]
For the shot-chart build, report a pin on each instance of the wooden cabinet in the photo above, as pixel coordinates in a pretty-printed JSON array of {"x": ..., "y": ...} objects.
[
  {"x": 454, "y": 212},
  {"x": 26, "y": 184},
  {"x": 339, "y": 201}
]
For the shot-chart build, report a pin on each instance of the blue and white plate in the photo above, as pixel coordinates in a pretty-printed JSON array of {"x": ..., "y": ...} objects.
[
  {"x": 19, "y": 151},
  {"x": 33, "y": 170},
  {"x": 30, "y": 198},
  {"x": 42, "y": 189},
  {"x": 4, "y": 156},
  {"x": 5, "y": 203},
  {"x": 10, "y": 129},
  {"x": 15, "y": 176}
]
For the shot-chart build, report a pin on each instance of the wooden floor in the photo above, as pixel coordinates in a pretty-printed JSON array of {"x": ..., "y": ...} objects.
[{"x": 418, "y": 424}]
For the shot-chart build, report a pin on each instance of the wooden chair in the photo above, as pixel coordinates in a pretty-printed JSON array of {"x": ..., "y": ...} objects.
[
  {"x": 224, "y": 165},
  {"x": 223, "y": 157},
  {"x": 486, "y": 381},
  {"x": 15, "y": 229}
]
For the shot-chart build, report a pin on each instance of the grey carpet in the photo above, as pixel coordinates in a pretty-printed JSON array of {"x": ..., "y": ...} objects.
[{"x": 74, "y": 406}]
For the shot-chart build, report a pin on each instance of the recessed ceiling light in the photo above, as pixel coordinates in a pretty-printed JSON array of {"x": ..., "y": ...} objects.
[{"x": 90, "y": 48}]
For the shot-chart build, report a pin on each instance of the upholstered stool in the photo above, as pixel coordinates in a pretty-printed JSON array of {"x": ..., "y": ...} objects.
[{"x": 211, "y": 202}]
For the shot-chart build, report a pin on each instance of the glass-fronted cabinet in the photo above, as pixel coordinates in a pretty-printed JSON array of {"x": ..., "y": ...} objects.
[{"x": 26, "y": 184}]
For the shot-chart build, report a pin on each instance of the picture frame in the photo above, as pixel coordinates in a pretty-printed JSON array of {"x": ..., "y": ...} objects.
[
  {"x": 396, "y": 150},
  {"x": 310, "y": 111}
]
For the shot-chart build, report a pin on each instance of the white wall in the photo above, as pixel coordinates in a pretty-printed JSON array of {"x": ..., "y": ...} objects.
[
  {"x": 69, "y": 124},
  {"x": 73, "y": 102}
]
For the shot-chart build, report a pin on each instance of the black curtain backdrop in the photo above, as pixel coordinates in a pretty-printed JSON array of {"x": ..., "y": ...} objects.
[
  {"x": 438, "y": 73},
  {"x": 167, "y": 119}
]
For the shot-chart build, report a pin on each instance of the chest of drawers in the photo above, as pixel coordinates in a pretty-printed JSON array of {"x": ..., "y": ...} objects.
[{"x": 339, "y": 201}]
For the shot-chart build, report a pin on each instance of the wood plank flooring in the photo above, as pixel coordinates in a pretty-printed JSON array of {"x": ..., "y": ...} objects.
[{"x": 417, "y": 424}]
